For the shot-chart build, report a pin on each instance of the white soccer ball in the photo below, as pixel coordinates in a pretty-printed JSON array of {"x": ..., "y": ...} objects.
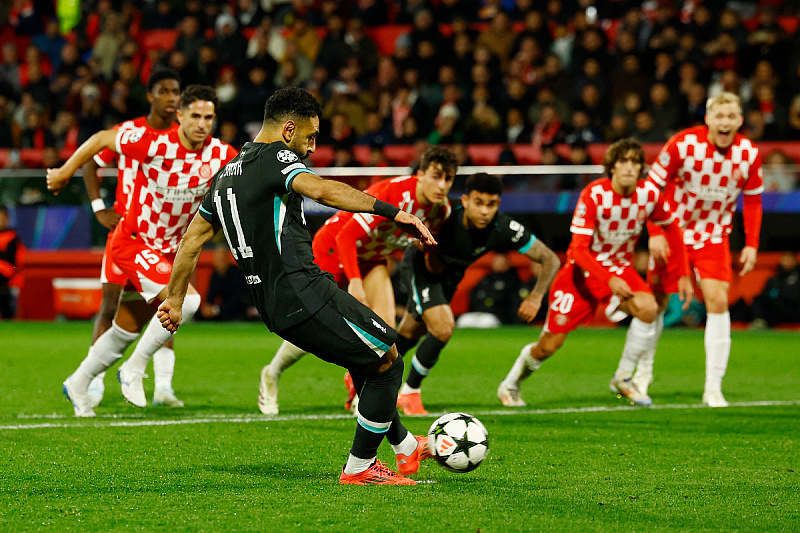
[{"x": 458, "y": 442}]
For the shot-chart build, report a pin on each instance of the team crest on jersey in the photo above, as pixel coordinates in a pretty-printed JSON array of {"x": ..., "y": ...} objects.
[
  {"x": 562, "y": 320},
  {"x": 663, "y": 159},
  {"x": 205, "y": 171},
  {"x": 287, "y": 156},
  {"x": 163, "y": 268}
]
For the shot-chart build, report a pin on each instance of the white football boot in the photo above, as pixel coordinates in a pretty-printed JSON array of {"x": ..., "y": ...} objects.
[
  {"x": 132, "y": 386},
  {"x": 268, "y": 393}
]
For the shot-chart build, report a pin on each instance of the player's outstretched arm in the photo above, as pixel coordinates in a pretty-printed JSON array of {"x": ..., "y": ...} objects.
[
  {"x": 342, "y": 196},
  {"x": 200, "y": 232},
  {"x": 107, "y": 217},
  {"x": 550, "y": 262},
  {"x": 57, "y": 178}
]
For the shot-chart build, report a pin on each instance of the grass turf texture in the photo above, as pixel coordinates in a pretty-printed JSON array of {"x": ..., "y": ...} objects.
[{"x": 576, "y": 459}]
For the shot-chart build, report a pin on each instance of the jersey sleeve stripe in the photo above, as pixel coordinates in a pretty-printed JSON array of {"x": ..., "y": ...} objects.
[
  {"x": 205, "y": 211},
  {"x": 581, "y": 231},
  {"x": 759, "y": 190},
  {"x": 361, "y": 222},
  {"x": 293, "y": 174},
  {"x": 658, "y": 174},
  {"x": 279, "y": 213},
  {"x": 527, "y": 246}
]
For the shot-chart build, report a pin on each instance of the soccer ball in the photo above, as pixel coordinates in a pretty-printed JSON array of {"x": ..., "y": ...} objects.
[{"x": 458, "y": 442}]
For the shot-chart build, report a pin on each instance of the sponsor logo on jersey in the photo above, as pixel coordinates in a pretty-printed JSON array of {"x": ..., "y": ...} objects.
[
  {"x": 233, "y": 169},
  {"x": 287, "y": 156},
  {"x": 252, "y": 280},
  {"x": 377, "y": 325}
]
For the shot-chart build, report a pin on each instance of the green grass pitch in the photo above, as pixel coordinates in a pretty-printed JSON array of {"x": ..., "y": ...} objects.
[{"x": 576, "y": 459}]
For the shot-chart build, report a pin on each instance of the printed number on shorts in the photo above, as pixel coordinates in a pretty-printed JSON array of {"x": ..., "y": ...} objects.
[
  {"x": 242, "y": 251},
  {"x": 145, "y": 258},
  {"x": 562, "y": 302}
]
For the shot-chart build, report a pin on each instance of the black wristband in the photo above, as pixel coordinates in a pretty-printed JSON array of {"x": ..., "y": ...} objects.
[{"x": 385, "y": 210}]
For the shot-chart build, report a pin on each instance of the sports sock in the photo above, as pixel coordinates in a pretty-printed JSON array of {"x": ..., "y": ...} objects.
[
  {"x": 426, "y": 357},
  {"x": 638, "y": 341},
  {"x": 356, "y": 465},
  {"x": 155, "y": 336},
  {"x": 644, "y": 370},
  {"x": 407, "y": 389},
  {"x": 407, "y": 446},
  {"x": 403, "y": 344},
  {"x": 287, "y": 355},
  {"x": 164, "y": 367},
  {"x": 718, "y": 348},
  {"x": 106, "y": 350},
  {"x": 524, "y": 366},
  {"x": 377, "y": 411}
]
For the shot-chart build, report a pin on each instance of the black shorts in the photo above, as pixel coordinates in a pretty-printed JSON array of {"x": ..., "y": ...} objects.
[
  {"x": 344, "y": 332},
  {"x": 425, "y": 289}
]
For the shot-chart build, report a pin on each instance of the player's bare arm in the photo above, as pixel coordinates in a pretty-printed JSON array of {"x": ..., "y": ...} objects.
[
  {"x": 107, "y": 217},
  {"x": 57, "y": 178},
  {"x": 199, "y": 233},
  {"x": 659, "y": 249},
  {"x": 546, "y": 257},
  {"x": 342, "y": 196}
]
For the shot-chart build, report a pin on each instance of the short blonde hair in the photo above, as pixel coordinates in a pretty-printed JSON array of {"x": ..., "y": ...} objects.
[{"x": 725, "y": 97}]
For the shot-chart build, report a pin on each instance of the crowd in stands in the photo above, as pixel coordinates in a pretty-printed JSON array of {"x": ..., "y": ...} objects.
[{"x": 461, "y": 71}]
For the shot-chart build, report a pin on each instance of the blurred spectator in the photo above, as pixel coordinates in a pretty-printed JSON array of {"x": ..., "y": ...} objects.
[
  {"x": 618, "y": 128},
  {"x": 499, "y": 38},
  {"x": 6, "y": 137},
  {"x": 372, "y": 12},
  {"x": 249, "y": 14},
  {"x": 729, "y": 80},
  {"x": 375, "y": 131},
  {"x": 35, "y": 134},
  {"x": 231, "y": 45},
  {"x": 694, "y": 111},
  {"x": 580, "y": 129},
  {"x": 462, "y": 155},
  {"x": 207, "y": 65},
  {"x": 535, "y": 26},
  {"x": 306, "y": 38},
  {"x": 343, "y": 155},
  {"x": 549, "y": 182},
  {"x": 773, "y": 111},
  {"x": 548, "y": 129},
  {"x": 333, "y": 49},
  {"x": 9, "y": 70},
  {"x": 663, "y": 109},
  {"x": 50, "y": 42},
  {"x": 780, "y": 172},
  {"x": 252, "y": 95},
  {"x": 12, "y": 257},
  {"x": 267, "y": 37},
  {"x": 228, "y": 296},
  {"x": 645, "y": 130},
  {"x": 190, "y": 39},
  {"x": 230, "y": 133},
  {"x": 361, "y": 46},
  {"x": 517, "y": 130},
  {"x": 779, "y": 302},
  {"x": 793, "y": 120},
  {"x": 108, "y": 44},
  {"x": 24, "y": 17},
  {"x": 578, "y": 155},
  {"x": 483, "y": 125},
  {"x": 227, "y": 88},
  {"x": 65, "y": 131},
  {"x": 628, "y": 79},
  {"x": 161, "y": 16}
]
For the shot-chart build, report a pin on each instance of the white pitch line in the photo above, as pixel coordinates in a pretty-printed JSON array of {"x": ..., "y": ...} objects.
[{"x": 138, "y": 420}]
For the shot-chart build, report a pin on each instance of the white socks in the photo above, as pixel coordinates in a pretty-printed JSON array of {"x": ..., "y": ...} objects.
[
  {"x": 640, "y": 343},
  {"x": 356, "y": 465},
  {"x": 287, "y": 355},
  {"x": 164, "y": 367},
  {"x": 718, "y": 349},
  {"x": 405, "y": 389},
  {"x": 524, "y": 366},
  {"x": 407, "y": 446},
  {"x": 106, "y": 350}
]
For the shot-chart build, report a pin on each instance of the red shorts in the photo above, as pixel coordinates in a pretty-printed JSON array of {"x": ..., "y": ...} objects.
[
  {"x": 147, "y": 270},
  {"x": 328, "y": 260},
  {"x": 110, "y": 272},
  {"x": 574, "y": 297},
  {"x": 711, "y": 261}
]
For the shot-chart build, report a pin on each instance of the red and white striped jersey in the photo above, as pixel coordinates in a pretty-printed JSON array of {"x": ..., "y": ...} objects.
[
  {"x": 615, "y": 222},
  {"x": 377, "y": 237},
  {"x": 126, "y": 167},
  {"x": 169, "y": 185},
  {"x": 703, "y": 182}
]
